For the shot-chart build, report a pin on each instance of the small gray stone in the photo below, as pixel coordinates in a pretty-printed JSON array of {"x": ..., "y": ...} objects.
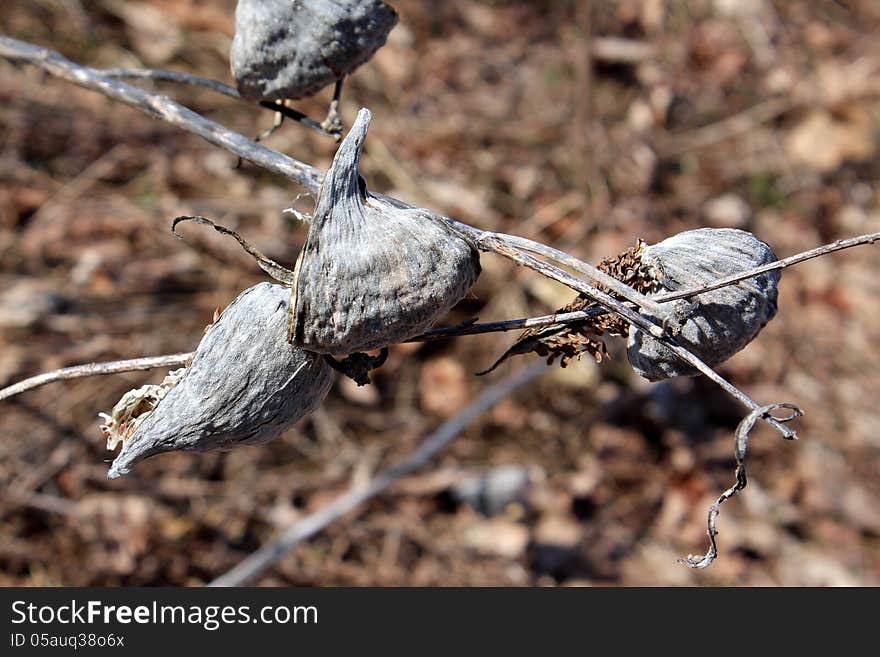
[{"x": 491, "y": 492}]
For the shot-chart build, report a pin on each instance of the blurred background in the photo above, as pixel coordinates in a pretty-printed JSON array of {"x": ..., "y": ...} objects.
[{"x": 582, "y": 125}]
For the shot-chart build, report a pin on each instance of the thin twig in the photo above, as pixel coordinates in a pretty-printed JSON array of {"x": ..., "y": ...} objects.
[
  {"x": 740, "y": 447},
  {"x": 257, "y": 562},
  {"x": 163, "y": 108},
  {"x": 290, "y": 113},
  {"x": 472, "y": 328},
  {"x": 275, "y": 270},
  {"x": 172, "y": 360},
  {"x": 93, "y": 369},
  {"x": 593, "y": 273},
  {"x": 222, "y": 88}
]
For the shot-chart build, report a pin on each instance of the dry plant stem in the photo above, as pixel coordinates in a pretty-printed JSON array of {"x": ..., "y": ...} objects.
[
  {"x": 179, "y": 77},
  {"x": 740, "y": 448},
  {"x": 92, "y": 369},
  {"x": 289, "y": 113},
  {"x": 162, "y": 108},
  {"x": 472, "y": 328},
  {"x": 620, "y": 289},
  {"x": 170, "y": 76},
  {"x": 173, "y": 360},
  {"x": 166, "y": 109},
  {"x": 259, "y": 561},
  {"x": 839, "y": 245},
  {"x": 276, "y": 271}
]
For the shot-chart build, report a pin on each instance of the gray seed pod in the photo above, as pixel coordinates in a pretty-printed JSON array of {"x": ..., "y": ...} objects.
[
  {"x": 373, "y": 271},
  {"x": 714, "y": 325},
  {"x": 294, "y": 48},
  {"x": 245, "y": 386}
]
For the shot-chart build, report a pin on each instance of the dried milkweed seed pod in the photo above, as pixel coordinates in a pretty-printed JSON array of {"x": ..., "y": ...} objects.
[
  {"x": 716, "y": 324},
  {"x": 244, "y": 386},
  {"x": 289, "y": 49},
  {"x": 373, "y": 271}
]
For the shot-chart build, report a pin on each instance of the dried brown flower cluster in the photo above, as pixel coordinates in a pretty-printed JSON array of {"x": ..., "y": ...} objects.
[{"x": 571, "y": 340}]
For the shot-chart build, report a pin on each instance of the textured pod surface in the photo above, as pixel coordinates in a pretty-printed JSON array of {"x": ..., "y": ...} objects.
[
  {"x": 294, "y": 48},
  {"x": 245, "y": 385},
  {"x": 714, "y": 325},
  {"x": 373, "y": 272}
]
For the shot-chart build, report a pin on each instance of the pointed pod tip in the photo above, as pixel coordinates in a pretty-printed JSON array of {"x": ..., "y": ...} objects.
[
  {"x": 134, "y": 451},
  {"x": 363, "y": 116},
  {"x": 341, "y": 180},
  {"x": 118, "y": 468},
  {"x": 358, "y": 132},
  {"x": 122, "y": 465},
  {"x": 116, "y": 473}
]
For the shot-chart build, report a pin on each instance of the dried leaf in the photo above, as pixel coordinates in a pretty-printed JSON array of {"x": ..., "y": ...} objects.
[{"x": 568, "y": 341}]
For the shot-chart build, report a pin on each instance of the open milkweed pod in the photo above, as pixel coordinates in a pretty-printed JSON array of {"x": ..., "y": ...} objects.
[
  {"x": 714, "y": 325},
  {"x": 373, "y": 272},
  {"x": 246, "y": 385},
  {"x": 289, "y": 49}
]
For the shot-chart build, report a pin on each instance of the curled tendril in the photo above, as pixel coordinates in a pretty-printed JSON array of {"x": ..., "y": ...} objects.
[
  {"x": 279, "y": 272},
  {"x": 741, "y": 443}
]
